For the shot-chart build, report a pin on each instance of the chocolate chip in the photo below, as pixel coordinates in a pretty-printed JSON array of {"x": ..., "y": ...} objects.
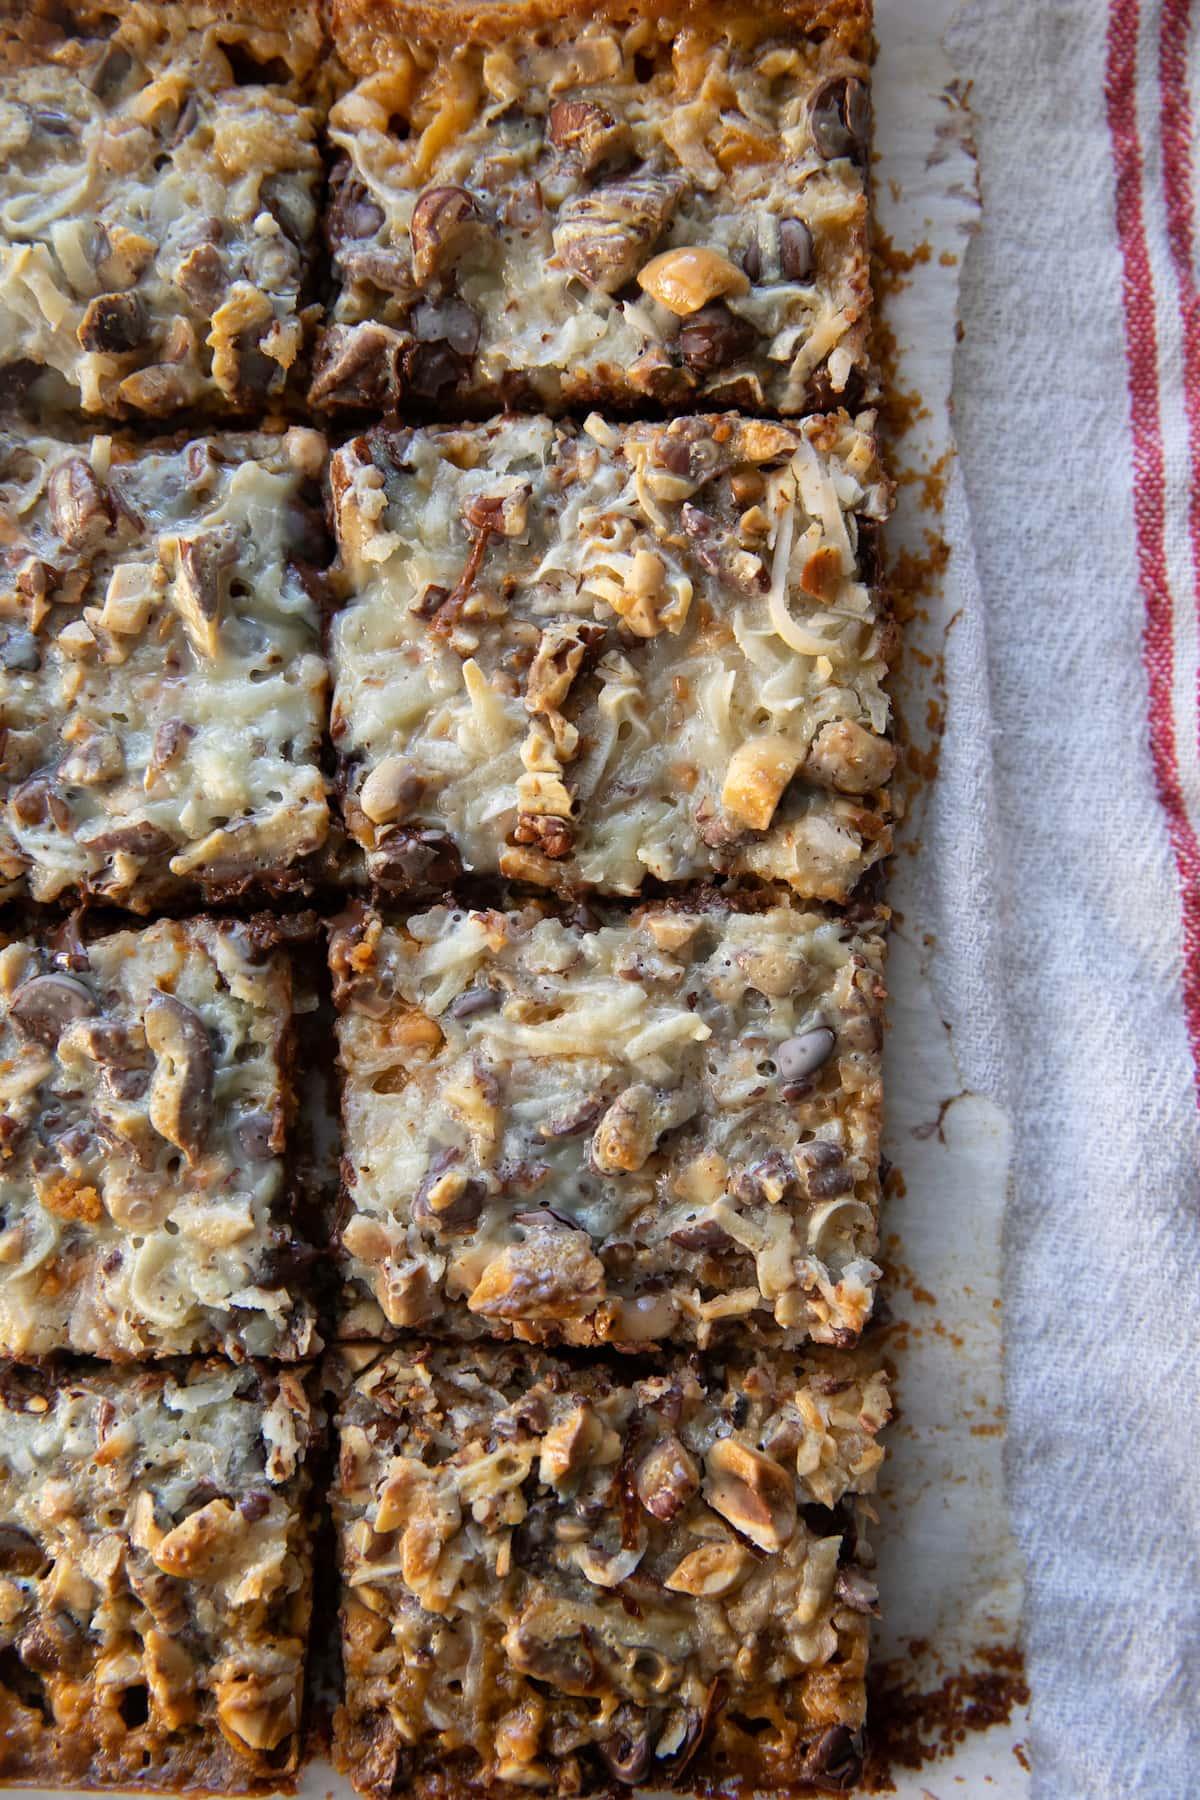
[
  {"x": 798, "y": 1057},
  {"x": 841, "y": 119},
  {"x": 113, "y": 323},
  {"x": 352, "y": 214},
  {"x": 20, "y": 1554},
  {"x": 19, "y": 650},
  {"x": 795, "y": 249},
  {"x": 714, "y": 337},
  {"x": 626, "y": 1756},
  {"x": 856, "y": 1590},
  {"x": 833, "y": 1758},
  {"x": 474, "y": 1000},
  {"x": 408, "y": 858},
  {"x": 449, "y": 321},
  {"x": 703, "y": 1234},
  {"x": 254, "y": 1505},
  {"x": 430, "y": 369}
]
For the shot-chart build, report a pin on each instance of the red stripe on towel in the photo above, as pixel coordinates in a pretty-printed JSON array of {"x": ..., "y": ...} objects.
[{"x": 1149, "y": 484}]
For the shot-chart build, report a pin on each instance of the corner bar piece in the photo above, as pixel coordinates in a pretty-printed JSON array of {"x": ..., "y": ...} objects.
[
  {"x": 144, "y": 1087},
  {"x": 612, "y": 204},
  {"x": 162, "y": 689},
  {"x": 156, "y": 1577},
  {"x": 159, "y": 175},
  {"x": 588, "y": 657},
  {"x": 619, "y": 1129},
  {"x": 558, "y": 1582}
]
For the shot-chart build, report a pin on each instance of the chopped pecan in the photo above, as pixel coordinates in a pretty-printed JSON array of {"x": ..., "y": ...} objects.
[
  {"x": 604, "y": 236},
  {"x": 628, "y": 1133},
  {"x": 205, "y": 562},
  {"x": 358, "y": 365},
  {"x": 554, "y": 837},
  {"x": 851, "y": 760},
  {"x": 441, "y": 221},
  {"x": 666, "y": 1478},
  {"x": 181, "y": 1090},
  {"x": 552, "y": 1275},
  {"x": 81, "y": 509},
  {"x": 751, "y": 1490},
  {"x": 560, "y": 655},
  {"x": 587, "y": 131}
]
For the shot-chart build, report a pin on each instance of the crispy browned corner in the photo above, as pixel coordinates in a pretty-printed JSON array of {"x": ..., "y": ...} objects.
[{"x": 155, "y": 1543}]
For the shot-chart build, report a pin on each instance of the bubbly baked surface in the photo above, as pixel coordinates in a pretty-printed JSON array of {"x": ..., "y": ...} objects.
[
  {"x": 624, "y": 1130},
  {"x": 554, "y": 1581},
  {"x": 144, "y": 1088},
  {"x": 155, "y": 1577},
  {"x": 592, "y": 655},
  {"x": 159, "y": 186},
  {"x": 162, "y": 688},
  {"x": 618, "y": 204}
]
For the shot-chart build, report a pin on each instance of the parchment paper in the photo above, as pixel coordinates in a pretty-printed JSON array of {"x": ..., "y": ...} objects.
[{"x": 950, "y": 1575}]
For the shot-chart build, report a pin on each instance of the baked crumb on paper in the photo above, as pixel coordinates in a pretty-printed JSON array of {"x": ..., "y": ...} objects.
[{"x": 948, "y": 1688}]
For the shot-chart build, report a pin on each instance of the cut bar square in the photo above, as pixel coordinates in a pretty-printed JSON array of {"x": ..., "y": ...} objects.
[
  {"x": 159, "y": 179},
  {"x": 617, "y": 205},
  {"x": 616, "y": 1129},
  {"x": 556, "y": 1580},
  {"x": 588, "y": 656},
  {"x": 145, "y": 1094},
  {"x": 155, "y": 1571},
  {"x": 162, "y": 688}
]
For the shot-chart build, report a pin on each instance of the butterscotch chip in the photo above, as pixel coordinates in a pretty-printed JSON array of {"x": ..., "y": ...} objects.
[
  {"x": 159, "y": 174},
  {"x": 572, "y": 656},
  {"x": 650, "y": 1126},
  {"x": 155, "y": 1576},
  {"x": 143, "y": 1128},
  {"x": 554, "y": 1581},
  {"x": 624, "y": 203}
]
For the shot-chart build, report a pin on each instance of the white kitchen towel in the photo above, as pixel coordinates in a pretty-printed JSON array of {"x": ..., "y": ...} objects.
[{"x": 1078, "y": 413}]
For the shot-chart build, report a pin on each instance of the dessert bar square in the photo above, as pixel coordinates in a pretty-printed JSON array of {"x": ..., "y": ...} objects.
[
  {"x": 159, "y": 177},
  {"x": 558, "y": 1581},
  {"x": 614, "y": 204},
  {"x": 156, "y": 1577},
  {"x": 611, "y": 1129},
  {"x": 162, "y": 689},
  {"x": 589, "y": 656},
  {"x": 145, "y": 1094}
]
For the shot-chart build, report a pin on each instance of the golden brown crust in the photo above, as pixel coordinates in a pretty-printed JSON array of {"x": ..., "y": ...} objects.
[{"x": 368, "y": 33}]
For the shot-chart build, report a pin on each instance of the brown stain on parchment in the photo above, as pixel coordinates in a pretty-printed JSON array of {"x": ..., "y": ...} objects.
[{"x": 908, "y": 1728}]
